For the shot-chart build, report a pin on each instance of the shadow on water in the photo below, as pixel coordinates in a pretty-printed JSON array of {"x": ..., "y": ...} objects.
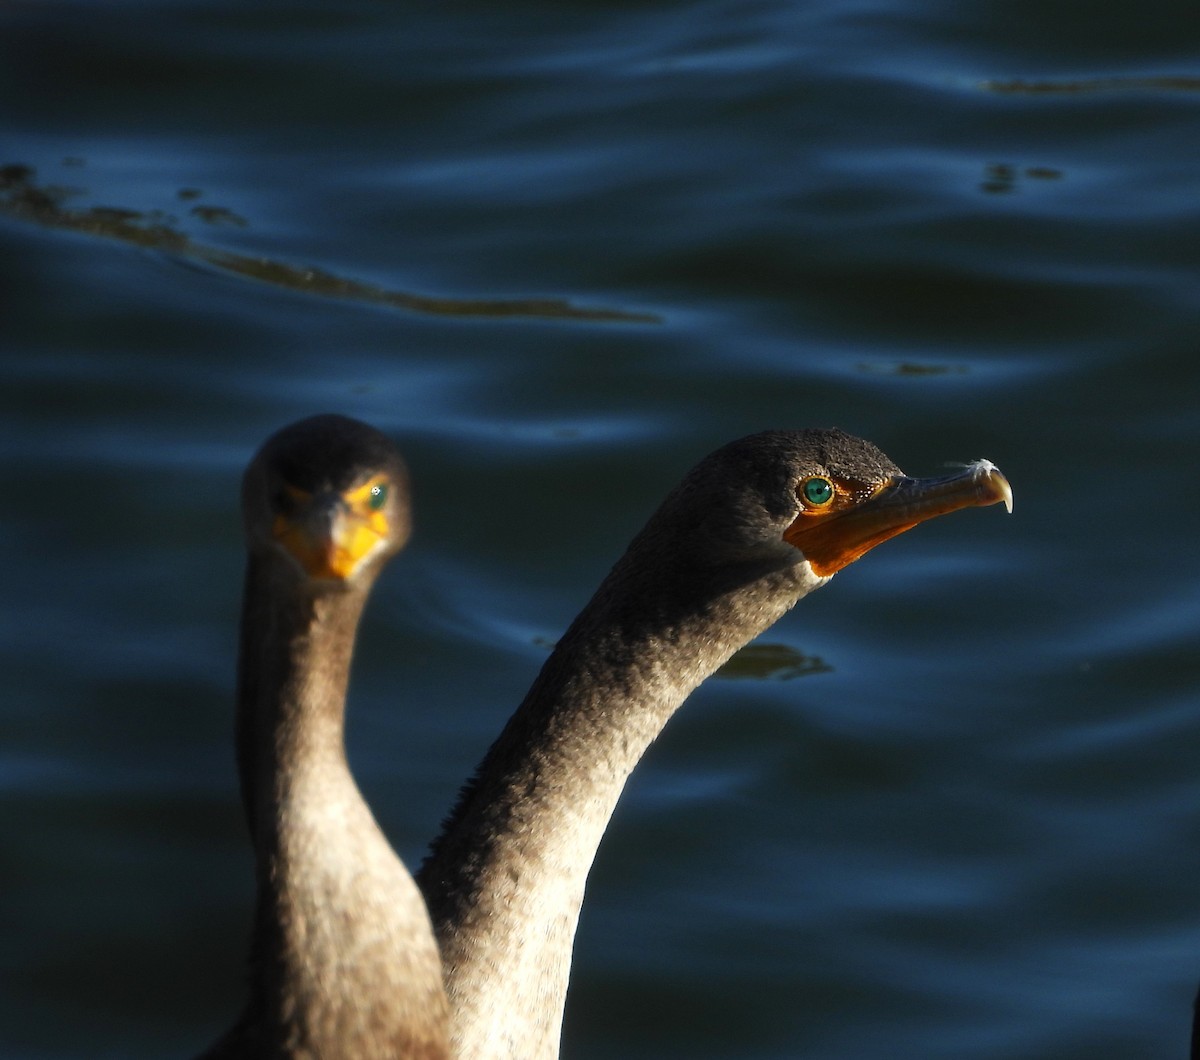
[
  {"x": 1097, "y": 84},
  {"x": 23, "y": 199},
  {"x": 776, "y": 662}
]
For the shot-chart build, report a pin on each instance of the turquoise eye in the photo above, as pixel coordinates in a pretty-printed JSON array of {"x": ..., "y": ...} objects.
[
  {"x": 817, "y": 491},
  {"x": 378, "y": 497}
]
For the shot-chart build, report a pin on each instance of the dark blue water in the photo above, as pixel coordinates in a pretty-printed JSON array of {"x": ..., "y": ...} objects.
[{"x": 560, "y": 252}]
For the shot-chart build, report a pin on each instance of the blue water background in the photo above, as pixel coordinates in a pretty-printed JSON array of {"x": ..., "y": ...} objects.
[{"x": 964, "y": 822}]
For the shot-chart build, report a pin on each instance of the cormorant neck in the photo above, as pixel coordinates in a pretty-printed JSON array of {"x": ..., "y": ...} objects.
[
  {"x": 293, "y": 673},
  {"x": 344, "y": 963},
  {"x": 505, "y": 881}
]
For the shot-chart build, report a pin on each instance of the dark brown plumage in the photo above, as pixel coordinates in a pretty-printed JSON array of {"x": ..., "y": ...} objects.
[
  {"x": 344, "y": 964},
  {"x": 751, "y": 529}
]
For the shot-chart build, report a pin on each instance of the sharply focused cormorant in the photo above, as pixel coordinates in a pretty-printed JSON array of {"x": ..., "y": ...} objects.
[{"x": 752, "y": 528}]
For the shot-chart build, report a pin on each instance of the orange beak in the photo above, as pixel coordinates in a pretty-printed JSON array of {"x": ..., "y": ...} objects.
[
  {"x": 831, "y": 540},
  {"x": 328, "y": 539}
]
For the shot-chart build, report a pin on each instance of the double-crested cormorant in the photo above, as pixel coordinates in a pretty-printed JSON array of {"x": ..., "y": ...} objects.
[
  {"x": 344, "y": 963},
  {"x": 750, "y": 530}
]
